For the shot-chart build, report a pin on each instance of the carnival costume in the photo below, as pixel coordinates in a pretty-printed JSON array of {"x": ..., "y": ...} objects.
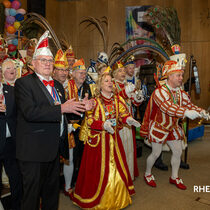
[
  {"x": 104, "y": 180},
  {"x": 70, "y": 55},
  {"x": 130, "y": 62},
  {"x": 79, "y": 94},
  {"x": 166, "y": 107},
  {"x": 127, "y": 134}
]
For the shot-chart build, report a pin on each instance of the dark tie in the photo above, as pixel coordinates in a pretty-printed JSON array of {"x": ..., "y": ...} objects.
[{"x": 50, "y": 83}]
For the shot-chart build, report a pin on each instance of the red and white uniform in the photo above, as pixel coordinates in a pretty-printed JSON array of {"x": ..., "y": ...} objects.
[
  {"x": 167, "y": 106},
  {"x": 120, "y": 87}
]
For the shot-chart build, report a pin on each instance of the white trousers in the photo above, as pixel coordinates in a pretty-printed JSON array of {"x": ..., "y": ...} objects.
[
  {"x": 176, "y": 148},
  {"x": 68, "y": 171},
  {"x": 126, "y": 136}
]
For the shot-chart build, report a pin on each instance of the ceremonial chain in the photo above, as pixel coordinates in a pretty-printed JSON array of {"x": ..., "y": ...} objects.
[
  {"x": 110, "y": 112},
  {"x": 175, "y": 99}
]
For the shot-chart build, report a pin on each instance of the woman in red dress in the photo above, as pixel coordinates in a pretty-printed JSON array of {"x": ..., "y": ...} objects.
[{"x": 104, "y": 180}]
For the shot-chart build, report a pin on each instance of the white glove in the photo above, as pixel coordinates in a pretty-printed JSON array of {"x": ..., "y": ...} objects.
[
  {"x": 70, "y": 128},
  {"x": 129, "y": 88},
  {"x": 108, "y": 127},
  {"x": 138, "y": 96},
  {"x": 130, "y": 121},
  {"x": 192, "y": 114},
  {"x": 205, "y": 114}
]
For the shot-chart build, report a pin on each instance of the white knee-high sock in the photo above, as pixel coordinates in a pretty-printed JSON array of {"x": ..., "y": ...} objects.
[
  {"x": 68, "y": 170},
  {"x": 156, "y": 150},
  {"x": 176, "y": 148}
]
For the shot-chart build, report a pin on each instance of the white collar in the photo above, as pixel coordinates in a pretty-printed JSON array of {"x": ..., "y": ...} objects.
[
  {"x": 108, "y": 97},
  {"x": 120, "y": 81},
  {"x": 172, "y": 89},
  {"x": 42, "y": 78},
  {"x": 65, "y": 84},
  {"x": 11, "y": 83},
  {"x": 129, "y": 77}
]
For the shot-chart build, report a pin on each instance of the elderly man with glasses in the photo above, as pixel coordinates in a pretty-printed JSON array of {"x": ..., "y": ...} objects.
[
  {"x": 79, "y": 88},
  {"x": 42, "y": 129}
]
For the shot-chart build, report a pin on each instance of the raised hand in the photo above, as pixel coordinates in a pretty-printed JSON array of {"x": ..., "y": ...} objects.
[
  {"x": 138, "y": 96},
  {"x": 73, "y": 106},
  {"x": 129, "y": 88},
  {"x": 89, "y": 104}
]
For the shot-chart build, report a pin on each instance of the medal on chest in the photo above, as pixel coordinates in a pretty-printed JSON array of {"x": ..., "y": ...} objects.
[
  {"x": 110, "y": 112},
  {"x": 56, "y": 102},
  {"x": 109, "y": 109},
  {"x": 176, "y": 97}
]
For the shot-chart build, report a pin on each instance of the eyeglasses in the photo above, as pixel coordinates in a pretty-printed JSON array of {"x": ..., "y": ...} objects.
[
  {"x": 45, "y": 61},
  {"x": 64, "y": 70},
  {"x": 82, "y": 73}
]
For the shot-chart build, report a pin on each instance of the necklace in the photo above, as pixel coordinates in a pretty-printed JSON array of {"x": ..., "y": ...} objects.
[
  {"x": 109, "y": 109},
  {"x": 174, "y": 97},
  {"x": 118, "y": 87}
]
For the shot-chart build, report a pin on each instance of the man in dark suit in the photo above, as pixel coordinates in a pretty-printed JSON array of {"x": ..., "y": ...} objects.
[
  {"x": 42, "y": 130},
  {"x": 7, "y": 144}
]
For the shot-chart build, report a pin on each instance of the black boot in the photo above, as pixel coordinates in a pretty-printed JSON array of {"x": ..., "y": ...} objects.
[
  {"x": 160, "y": 165},
  {"x": 184, "y": 165}
]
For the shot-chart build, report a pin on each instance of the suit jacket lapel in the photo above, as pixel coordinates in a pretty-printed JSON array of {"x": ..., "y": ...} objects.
[{"x": 44, "y": 89}]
